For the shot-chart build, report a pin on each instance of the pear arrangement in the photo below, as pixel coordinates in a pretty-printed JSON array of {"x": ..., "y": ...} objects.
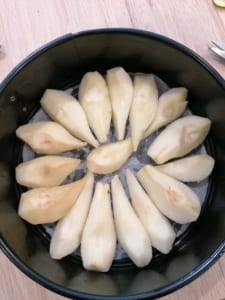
[{"x": 93, "y": 215}]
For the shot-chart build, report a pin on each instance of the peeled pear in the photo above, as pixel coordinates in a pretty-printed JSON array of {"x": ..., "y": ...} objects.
[
  {"x": 66, "y": 110},
  {"x": 48, "y": 138},
  {"x": 173, "y": 198},
  {"x": 188, "y": 169},
  {"x": 171, "y": 105},
  {"x": 49, "y": 204},
  {"x": 220, "y": 3},
  {"x": 160, "y": 230},
  {"x": 143, "y": 107},
  {"x": 109, "y": 158},
  {"x": 121, "y": 93},
  {"x": 94, "y": 98},
  {"x": 179, "y": 138},
  {"x": 131, "y": 234},
  {"x": 67, "y": 234},
  {"x": 98, "y": 242},
  {"x": 45, "y": 171}
]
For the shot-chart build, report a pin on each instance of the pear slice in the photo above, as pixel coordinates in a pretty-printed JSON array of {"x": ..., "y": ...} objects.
[
  {"x": 220, "y": 3},
  {"x": 171, "y": 105},
  {"x": 121, "y": 93},
  {"x": 189, "y": 169},
  {"x": 48, "y": 138},
  {"x": 67, "y": 234},
  {"x": 160, "y": 230},
  {"x": 143, "y": 107},
  {"x": 45, "y": 171},
  {"x": 131, "y": 234},
  {"x": 179, "y": 138},
  {"x": 109, "y": 158},
  {"x": 66, "y": 110},
  {"x": 98, "y": 243},
  {"x": 94, "y": 98},
  {"x": 49, "y": 204},
  {"x": 173, "y": 198}
]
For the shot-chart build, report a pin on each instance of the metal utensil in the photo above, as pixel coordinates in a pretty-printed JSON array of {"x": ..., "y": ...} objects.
[{"x": 218, "y": 48}]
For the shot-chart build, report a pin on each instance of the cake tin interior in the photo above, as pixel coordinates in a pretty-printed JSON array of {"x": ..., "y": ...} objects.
[{"x": 61, "y": 64}]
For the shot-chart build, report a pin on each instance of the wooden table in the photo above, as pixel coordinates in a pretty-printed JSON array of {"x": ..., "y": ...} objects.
[{"x": 27, "y": 24}]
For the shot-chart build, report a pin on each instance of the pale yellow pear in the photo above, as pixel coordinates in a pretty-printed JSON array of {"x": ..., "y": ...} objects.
[
  {"x": 171, "y": 105},
  {"x": 121, "y": 93},
  {"x": 68, "y": 231},
  {"x": 48, "y": 138},
  {"x": 109, "y": 158},
  {"x": 160, "y": 230},
  {"x": 143, "y": 107},
  {"x": 98, "y": 242},
  {"x": 94, "y": 98},
  {"x": 179, "y": 138},
  {"x": 131, "y": 234},
  {"x": 66, "y": 110},
  {"x": 49, "y": 204},
  {"x": 220, "y": 3},
  {"x": 45, "y": 171},
  {"x": 192, "y": 168},
  {"x": 173, "y": 198}
]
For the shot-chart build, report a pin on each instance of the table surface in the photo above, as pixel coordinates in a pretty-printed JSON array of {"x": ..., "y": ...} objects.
[{"x": 26, "y": 25}]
